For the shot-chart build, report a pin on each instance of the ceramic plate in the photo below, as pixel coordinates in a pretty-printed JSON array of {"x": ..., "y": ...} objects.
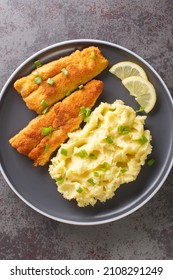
[{"x": 34, "y": 185}]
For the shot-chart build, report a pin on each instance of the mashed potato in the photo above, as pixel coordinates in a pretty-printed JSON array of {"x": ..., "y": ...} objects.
[{"x": 107, "y": 152}]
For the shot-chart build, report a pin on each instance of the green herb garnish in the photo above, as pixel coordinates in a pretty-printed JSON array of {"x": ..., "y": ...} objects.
[
  {"x": 50, "y": 81},
  {"x": 46, "y": 130},
  {"x": 93, "y": 55},
  {"x": 44, "y": 103},
  {"x": 151, "y": 161},
  {"x": 96, "y": 174},
  {"x": 105, "y": 166},
  {"x": 79, "y": 190},
  {"x": 82, "y": 153},
  {"x": 68, "y": 93},
  {"x": 123, "y": 170},
  {"x": 59, "y": 180},
  {"x": 46, "y": 147},
  {"x": 109, "y": 139},
  {"x": 64, "y": 152},
  {"x": 64, "y": 71},
  {"x": 45, "y": 110},
  {"x": 35, "y": 73},
  {"x": 141, "y": 109},
  {"x": 86, "y": 111},
  {"x": 37, "y": 63},
  {"x": 91, "y": 181},
  {"x": 123, "y": 129},
  {"x": 38, "y": 80},
  {"x": 92, "y": 156},
  {"x": 143, "y": 140},
  {"x": 81, "y": 86}
]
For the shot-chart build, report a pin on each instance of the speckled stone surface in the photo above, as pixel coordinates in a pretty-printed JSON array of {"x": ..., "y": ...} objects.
[{"x": 145, "y": 27}]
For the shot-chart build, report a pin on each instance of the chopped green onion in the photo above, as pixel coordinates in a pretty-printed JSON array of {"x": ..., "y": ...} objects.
[
  {"x": 140, "y": 109},
  {"x": 82, "y": 154},
  {"x": 105, "y": 166},
  {"x": 64, "y": 71},
  {"x": 91, "y": 181},
  {"x": 50, "y": 81},
  {"x": 68, "y": 93},
  {"x": 35, "y": 73},
  {"x": 46, "y": 147},
  {"x": 45, "y": 110},
  {"x": 96, "y": 174},
  {"x": 120, "y": 128},
  {"x": 38, "y": 80},
  {"x": 93, "y": 55},
  {"x": 123, "y": 130},
  {"x": 123, "y": 170},
  {"x": 64, "y": 152},
  {"x": 79, "y": 190},
  {"x": 92, "y": 156},
  {"x": 109, "y": 139},
  {"x": 46, "y": 130},
  {"x": 150, "y": 162},
  {"x": 86, "y": 111},
  {"x": 44, "y": 103},
  {"x": 81, "y": 86},
  {"x": 37, "y": 63},
  {"x": 59, "y": 180},
  {"x": 87, "y": 114},
  {"x": 83, "y": 109},
  {"x": 142, "y": 140}
]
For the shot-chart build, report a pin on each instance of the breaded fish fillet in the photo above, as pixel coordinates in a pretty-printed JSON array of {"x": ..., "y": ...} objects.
[
  {"x": 62, "y": 118},
  {"x": 31, "y": 135},
  {"x": 77, "y": 73},
  {"x": 27, "y": 84}
]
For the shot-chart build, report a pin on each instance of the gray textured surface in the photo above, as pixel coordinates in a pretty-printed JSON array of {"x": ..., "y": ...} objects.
[{"x": 146, "y": 27}]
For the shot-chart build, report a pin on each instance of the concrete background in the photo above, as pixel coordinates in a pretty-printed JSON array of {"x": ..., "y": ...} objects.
[{"x": 145, "y": 27}]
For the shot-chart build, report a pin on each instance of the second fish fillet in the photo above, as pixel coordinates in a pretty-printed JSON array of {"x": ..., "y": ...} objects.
[{"x": 62, "y": 118}]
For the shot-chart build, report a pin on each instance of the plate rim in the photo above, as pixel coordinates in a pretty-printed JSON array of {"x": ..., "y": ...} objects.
[{"x": 146, "y": 199}]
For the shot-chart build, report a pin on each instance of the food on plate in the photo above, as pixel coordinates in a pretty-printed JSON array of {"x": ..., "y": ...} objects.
[
  {"x": 126, "y": 69},
  {"x": 107, "y": 152},
  {"x": 53, "y": 81},
  {"x": 44, "y": 134},
  {"x": 27, "y": 84},
  {"x": 135, "y": 80},
  {"x": 143, "y": 91}
]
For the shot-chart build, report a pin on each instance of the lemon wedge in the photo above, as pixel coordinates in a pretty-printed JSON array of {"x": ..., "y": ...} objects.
[
  {"x": 143, "y": 91},
  {"x": 126, "y": 69}
]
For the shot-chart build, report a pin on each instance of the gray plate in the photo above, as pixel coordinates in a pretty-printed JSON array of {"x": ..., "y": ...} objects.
[{"x": 34, "y": 185}]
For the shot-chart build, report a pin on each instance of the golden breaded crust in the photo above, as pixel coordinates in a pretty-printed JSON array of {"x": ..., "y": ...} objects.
[
  {"x": 79, "y": 72},
  {"x": 30, "y": 136},
  {"x": 40, "y": 155},
  {"x": 26, "y": 85},
  {"x": 69, "y": 108},
  {"x": 64, "y": 117}
]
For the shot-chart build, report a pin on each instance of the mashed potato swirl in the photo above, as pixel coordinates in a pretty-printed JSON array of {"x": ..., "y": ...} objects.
[{"x": 107, "y": 152}]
